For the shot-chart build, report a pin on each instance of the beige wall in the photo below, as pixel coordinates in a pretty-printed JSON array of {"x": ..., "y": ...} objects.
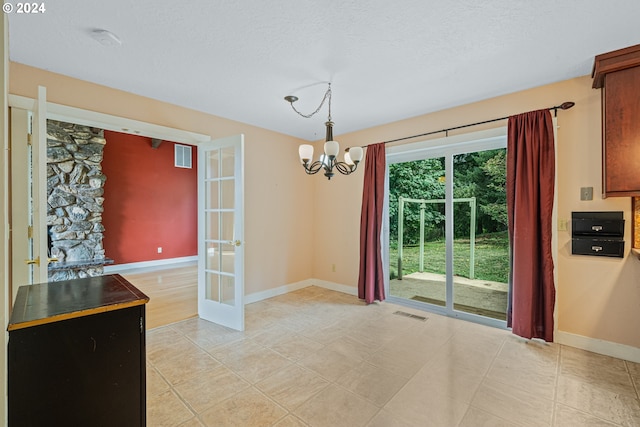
[
  {"x": 299, "y": 227},
  {"x": 596, "y": 297},
  {"x": 276, "y": 199}
]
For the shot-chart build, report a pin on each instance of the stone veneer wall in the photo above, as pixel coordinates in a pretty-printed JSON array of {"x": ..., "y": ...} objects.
[{"x": 74, "y": 194}]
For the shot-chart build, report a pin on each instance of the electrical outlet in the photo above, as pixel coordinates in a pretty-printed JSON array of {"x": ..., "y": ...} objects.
[
  {"x": 562, "y": 225},
  {"x": 159, "y": 249}
]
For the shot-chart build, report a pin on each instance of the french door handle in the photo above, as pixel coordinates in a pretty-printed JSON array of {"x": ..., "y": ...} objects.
[
  {"x": 37, "y": 261},
  {"x": 234, "y": 242}
]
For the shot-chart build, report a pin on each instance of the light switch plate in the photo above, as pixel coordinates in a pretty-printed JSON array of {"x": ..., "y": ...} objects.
[{"x": 586, "y": 193}]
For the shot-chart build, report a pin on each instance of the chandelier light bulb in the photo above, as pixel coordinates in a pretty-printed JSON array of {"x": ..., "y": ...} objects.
[
  {"x": 347, "y": 159},
  {"x": 306, "y": 152},
  {"x": 355, "y": 153},
  {"x": 331, "y": 148}
]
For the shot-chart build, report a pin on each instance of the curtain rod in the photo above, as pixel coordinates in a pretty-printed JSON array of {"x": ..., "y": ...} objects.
[{"x": 563, "y": 106}]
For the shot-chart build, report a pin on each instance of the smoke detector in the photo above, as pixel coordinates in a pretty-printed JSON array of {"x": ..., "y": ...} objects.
[{"x": 106, "y": 38}]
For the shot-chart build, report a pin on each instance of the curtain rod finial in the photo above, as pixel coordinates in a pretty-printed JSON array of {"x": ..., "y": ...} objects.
[{"x": 567, "y": 105}]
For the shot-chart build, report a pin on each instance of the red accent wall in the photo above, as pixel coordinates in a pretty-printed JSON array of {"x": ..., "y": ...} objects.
[{"x": 148, "y": 202}]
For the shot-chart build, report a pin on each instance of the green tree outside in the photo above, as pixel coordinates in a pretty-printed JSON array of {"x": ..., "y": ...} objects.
[{"x": 479, "y": 174}]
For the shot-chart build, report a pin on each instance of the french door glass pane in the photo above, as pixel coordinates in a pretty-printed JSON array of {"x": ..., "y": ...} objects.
[
  {"x": 226, "y": 226},
  {"x": 227, "y": 288},
  {"x": 213, "y": 257},
  {"x": 228, "y": 161},
  {"x": 212, "y": 227},
  {"x": 213, "y": 164},
  {"x": 227, "y": 258},
  {"x": 212, "y": 287},
  {"x": 212, "y": 194},
  {"x": 227, "y": 188}
]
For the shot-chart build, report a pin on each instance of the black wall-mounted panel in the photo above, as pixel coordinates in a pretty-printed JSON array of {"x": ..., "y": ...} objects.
[
  {"x": 597, "y": 233},
  {"x": 597, "y": 247},
  {"x": 598, "y": 227}
]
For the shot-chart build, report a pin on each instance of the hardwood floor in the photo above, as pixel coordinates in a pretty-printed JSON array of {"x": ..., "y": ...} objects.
[{"x": 172, "y": 292}]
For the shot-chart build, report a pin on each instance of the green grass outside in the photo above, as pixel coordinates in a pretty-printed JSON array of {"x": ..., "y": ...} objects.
[{"x": 492, "y": 258}]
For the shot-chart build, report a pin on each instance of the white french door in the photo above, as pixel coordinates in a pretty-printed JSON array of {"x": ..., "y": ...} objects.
[
  {"x": 29, "y": 249},
  {"x": 220, "y": 231}
]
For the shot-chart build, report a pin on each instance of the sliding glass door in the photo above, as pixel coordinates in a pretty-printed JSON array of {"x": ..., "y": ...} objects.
[{"x": 447, "y": 245}]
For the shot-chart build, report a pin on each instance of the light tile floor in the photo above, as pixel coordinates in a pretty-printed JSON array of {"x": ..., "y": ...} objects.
[{"x": 315, "y": 357}]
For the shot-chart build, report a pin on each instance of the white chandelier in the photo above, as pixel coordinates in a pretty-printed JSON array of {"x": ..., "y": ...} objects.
[{"x": 329, "y": 160}]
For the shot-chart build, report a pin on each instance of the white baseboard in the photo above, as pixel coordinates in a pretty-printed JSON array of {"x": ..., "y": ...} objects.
[
  {"x": 336, "y": 287},
  {"x": 608, "y": 348},
  {"x": 270, "y": 293},
  {"x": 280, "y": 290},
  {"x": 156, "y": 264}
]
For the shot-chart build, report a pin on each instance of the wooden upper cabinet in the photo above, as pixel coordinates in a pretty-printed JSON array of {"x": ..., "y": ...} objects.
[{"x": 618, "y": 74}]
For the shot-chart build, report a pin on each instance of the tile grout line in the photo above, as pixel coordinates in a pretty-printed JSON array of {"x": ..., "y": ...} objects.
[
  {"x": 484, "y": 377},
  {"x": 172, "y": 388},
  {"x": 197, "y": 414},
  {"x": 381, "y": 408},
  {"x": 584, "y": 411},
  {"x": 555, "y": 386},
  {"x": 178, "y": 395},
  {"x": 171, "y": 385},
  {"x": 633, "y": 383}
]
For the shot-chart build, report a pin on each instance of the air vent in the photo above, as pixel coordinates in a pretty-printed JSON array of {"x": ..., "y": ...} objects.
[
  {"x": 183, "y": 156},
  {"x": 412, "y": 316}
]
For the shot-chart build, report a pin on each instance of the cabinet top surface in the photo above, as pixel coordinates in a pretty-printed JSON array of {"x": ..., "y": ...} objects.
[{"x": 52, "y": 302}]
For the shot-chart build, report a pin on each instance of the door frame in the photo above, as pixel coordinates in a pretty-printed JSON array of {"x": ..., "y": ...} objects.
[
  {"x": 107, "y": 122},
  {"x": 445, "y": 147},
  {"x": 104, "y": 121}
]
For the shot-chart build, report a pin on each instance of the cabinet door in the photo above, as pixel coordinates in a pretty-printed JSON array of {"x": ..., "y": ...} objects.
[
  {"x": 86, "y": 371},
  {"x": 621, "y": 133}
]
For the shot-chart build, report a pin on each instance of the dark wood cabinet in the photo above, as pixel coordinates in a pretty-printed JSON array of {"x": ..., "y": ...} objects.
[
  {"x": 76, "y": 354},
  {"x": 618, "y": 74}
]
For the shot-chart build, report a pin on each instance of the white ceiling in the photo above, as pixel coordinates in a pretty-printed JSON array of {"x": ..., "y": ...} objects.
[{"x": 387, "y": 60}]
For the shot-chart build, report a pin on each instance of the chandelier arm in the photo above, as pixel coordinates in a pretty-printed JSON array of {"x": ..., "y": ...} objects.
[
  {"x": 327, "y": 95},
  {"x": 344, "y": 168},
  {"x": 313, "y": 168}
]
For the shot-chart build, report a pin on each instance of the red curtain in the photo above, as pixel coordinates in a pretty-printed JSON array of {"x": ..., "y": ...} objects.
[
  {"x": 530, "y": 186},
  {"x": 371, "y": 278}
]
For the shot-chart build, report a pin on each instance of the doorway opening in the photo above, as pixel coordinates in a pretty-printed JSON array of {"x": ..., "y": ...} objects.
[
  {"x": 448, "y": 248},
  {"x": 48, "y": 111}
]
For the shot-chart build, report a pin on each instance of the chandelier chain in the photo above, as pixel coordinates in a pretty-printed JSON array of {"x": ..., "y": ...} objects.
[{"x": 327, "y": 96}]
